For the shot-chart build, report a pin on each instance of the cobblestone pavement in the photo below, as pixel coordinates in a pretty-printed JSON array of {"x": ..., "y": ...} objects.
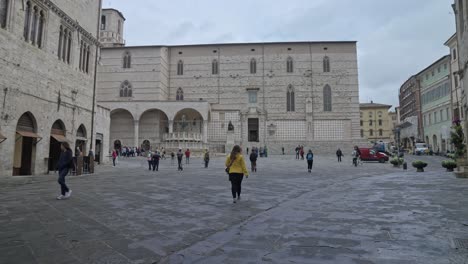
[{"x": 337, "y": 214}]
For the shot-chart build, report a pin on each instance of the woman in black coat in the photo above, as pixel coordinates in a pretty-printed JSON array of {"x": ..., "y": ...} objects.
[{"x": 63, "y": 166}]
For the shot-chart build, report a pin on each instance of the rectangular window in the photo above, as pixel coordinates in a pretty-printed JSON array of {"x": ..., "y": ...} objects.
[
  {"x": 447, "y": 115},
  {"x": 441, "y": 115},
  {"x": 253, "y": 129},
  {"x": 430, "y": 119},
  {"x": 362, "y": 123},
  {"x": 380, "y": 122},
  {"x": 425, "y": 120},
  {"x": 455, "y": 80},
  {"x": 454, "y": 54},
  {"x": 435, "y": 117},
  {"x": 3, "y": 13},
  {"x": 252, "y": 97},
  {"x": 370, "y": 122}
]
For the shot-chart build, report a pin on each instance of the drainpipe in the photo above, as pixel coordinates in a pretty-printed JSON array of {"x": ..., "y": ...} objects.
[{"x": 95, "y": 75}]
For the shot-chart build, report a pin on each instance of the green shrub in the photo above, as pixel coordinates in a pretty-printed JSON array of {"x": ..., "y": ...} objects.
[
  {"x": 419, "y": 164},
  {"x": 397, "y": 161},
  {"x": 449, "y": 164}
]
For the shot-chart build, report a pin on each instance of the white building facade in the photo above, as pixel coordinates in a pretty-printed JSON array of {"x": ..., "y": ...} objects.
[{"x": 274, "y": 94}]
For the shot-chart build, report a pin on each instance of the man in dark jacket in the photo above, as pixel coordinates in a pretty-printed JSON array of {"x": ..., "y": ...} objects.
[
  {"x": 63, "y": 166},
  {"x": 156, "y": 158},
  {"x": 339, "y": 154}
]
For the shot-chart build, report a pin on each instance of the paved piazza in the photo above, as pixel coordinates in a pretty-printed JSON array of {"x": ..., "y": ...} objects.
[{"x": 337, "y": 214}]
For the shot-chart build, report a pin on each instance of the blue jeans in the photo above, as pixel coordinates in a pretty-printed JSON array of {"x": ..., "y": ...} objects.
[{"x": 61, "y": 180}]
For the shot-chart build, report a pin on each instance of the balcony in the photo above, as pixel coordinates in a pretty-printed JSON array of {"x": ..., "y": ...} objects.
[{"x": 183, "y": 137}]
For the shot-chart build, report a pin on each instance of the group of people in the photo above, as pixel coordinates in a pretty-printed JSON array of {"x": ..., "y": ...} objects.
[{"x": 300, "y": 152}]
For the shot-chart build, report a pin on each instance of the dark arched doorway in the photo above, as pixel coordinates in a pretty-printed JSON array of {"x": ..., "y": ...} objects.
[
  {"x": 118, "y": 146},
  {"x": 25, "y": 145},
  {"x": 57, "y": 136},
  {"x": 146, "y": 145},
  {"x": 81, "y": 139}
]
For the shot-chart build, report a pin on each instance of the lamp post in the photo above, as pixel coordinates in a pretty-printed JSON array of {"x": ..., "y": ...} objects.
[{"x": 398, "y": 140}]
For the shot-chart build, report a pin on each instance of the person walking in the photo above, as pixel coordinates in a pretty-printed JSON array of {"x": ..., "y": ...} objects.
[
  {"x": 155, "y": 159},
  {"x": 297, "y": 152},
  {"x": 253, "y": 161},
  {"x": 63, "y": 166},
  {"x": 282, "y": 150},
  {"x": 339, "y": 154},
  {"x": 206, "y": 158},
  {"x": 180, "y": 156},
  {"x": 302, "y": 153},
  {"x": 310, "y": 160},
  {"x": 172, "y": 157},
  {"x": 187, "y": 156},
  {"x": 247, "y": 151},
  {"x": 235, "y": 166},
  {"x": 114, "y": 156},
  {"x": 149, "y": 158}
]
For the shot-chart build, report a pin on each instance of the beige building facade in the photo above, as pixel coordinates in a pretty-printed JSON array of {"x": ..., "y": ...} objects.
[
  {"x": 47, "y": 57},
  {"x": 274, "y": 94},
  {"x": 376, "y": 122}
]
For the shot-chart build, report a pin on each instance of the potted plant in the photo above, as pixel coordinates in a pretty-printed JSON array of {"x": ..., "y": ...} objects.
[
  {"x": 449, "y": 165},
  {"x": 396, "y": 162},
  {"x": 419, "y": 165}
]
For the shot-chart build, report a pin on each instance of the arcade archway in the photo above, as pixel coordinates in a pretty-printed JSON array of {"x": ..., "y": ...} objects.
[{"x": 25, "y": 145}]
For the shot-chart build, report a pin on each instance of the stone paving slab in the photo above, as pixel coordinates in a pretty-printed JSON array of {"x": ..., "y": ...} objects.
[{"x": 337, "y": 214}]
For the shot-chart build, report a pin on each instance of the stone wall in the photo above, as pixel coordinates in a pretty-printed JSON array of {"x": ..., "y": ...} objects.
[{"x": 34, "y": 80}]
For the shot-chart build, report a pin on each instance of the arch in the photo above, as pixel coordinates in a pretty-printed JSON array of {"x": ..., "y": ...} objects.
[
  {"x": 58, "y": 128},
  {"x": 327, "y": 99},
  {"x": 117, "y": 145},
  {"x": 57, "y": 136},
  {"x": 326, "y": 64},
  {"x": 27, "y": 122},
  {"x": 188, "y": 120},
  {"x": 122, "y": 127},
  {"x": 145, "y": 145},
  {"x": 25, "y": 145},
  {"x": 180, "y": 94},
  {"x": 214, "y": 67},
  {"x": 81, "y": 132},
  {"x": 290, "y": 99},
  {"x": 253, "y": 66},
  {"x": 289, "y": 65},
  {"x": 126, "y": 89},
  {"x": 81, "y": 139},
  {"x": 153, "y": 124},
  {"x": 127, "y": 60},
  {"x": 180, "y": 67}
]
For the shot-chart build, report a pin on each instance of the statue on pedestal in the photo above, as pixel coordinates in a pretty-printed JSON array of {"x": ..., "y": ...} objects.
[{"x": 230, "y": 126}]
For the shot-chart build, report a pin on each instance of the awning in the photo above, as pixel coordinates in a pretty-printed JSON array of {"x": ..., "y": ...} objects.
[
  {"x": 81, "y": 139},
  {"x": 59, "y": 138},
  {"x": 28, "y": 134}
]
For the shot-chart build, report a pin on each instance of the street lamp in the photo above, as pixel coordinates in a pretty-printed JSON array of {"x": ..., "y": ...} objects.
[{"x": 398, "y": 139}]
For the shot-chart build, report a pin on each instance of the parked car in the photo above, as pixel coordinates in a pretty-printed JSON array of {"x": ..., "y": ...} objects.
[
  {"x": 370, "y": 154},
  {"x": 421, "y": 149}
]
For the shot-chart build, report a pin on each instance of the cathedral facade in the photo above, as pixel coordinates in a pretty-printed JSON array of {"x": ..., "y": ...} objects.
[{"x": 277, "y": 95}]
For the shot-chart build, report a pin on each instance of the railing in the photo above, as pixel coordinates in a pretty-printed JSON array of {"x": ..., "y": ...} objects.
[
  {"x": 183, "y": 145},
  {"x": 183, "y": 137}
]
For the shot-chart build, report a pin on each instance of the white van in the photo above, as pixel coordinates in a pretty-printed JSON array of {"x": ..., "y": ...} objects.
[{"x": 421, "y": 148}]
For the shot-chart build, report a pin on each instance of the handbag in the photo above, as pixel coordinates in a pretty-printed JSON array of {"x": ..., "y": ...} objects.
[{"x": 228, "y": 167}]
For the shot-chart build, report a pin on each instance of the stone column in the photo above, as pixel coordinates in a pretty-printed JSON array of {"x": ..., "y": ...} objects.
[
  {"x": 137, "y": 132},
  {"x": 171, "y": 126},
  {"x": 205, "y": 132}
]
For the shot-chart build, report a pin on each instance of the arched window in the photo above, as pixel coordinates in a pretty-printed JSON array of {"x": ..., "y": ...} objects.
[
  {"x": 126, "y": 89},
  {"x": 69, "y": 47},
  {"x": 290, "y": 99},
  {"x": 289, "y": 65},
  {"x": 326, "y": 64},
  {"x": 180, "y": 68},
  {"x": 27, "y": 21},
  {"x": 35, "y": 18},
  {"x": 214, "y": 67},
  {"x": 253, "y": 66},
  {"x": 103, "y": 22},
  {"x": 59, "y": 51},
  {"x": 327, "y": 99},
  {"x": 40, "y": 29},
  {"x": 127, "y": 60},
  {"x": 180, "y": 94},
  {"x": 3, "y": 12}
]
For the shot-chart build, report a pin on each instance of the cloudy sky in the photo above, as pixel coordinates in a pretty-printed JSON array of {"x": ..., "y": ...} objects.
[{"x": 396, "y": 38}]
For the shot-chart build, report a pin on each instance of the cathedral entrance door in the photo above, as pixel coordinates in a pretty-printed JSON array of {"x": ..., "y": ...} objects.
[{"x": 253, "y": 129}]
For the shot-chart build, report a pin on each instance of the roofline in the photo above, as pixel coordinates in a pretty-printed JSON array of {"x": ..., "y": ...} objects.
[
  {"x": 454, "y": 36},
  {"x": 236, "y": 44},
  {"x": 434, "y": 63},
  {"x": 113, "y": 9},
  {"x": 374, "y": 105}
]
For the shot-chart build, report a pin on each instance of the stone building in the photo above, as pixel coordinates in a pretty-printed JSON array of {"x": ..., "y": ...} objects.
[
  {"x": 376, "y": 123},
  {"x": 435, "y": 104},
  {"x": 274, "y": 94},
  {"x": 47, "y": 61},
  {"x": 411, "y": 129}
]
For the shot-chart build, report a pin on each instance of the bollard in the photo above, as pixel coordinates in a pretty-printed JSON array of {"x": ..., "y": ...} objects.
[{"x": 405, "y": 166}]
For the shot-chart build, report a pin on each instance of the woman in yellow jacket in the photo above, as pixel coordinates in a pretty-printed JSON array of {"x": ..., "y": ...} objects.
[{"x": 237, "y": 169}]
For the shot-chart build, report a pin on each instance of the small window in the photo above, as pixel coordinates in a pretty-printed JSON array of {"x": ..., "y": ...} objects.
[
  {"x": 380, "y": 132},
  {"x": 3, "y": 12},
  {"x": 253, "y": 66},
  {"x": 214, "y": 67},
  {"x": 432, "y": 73},
  {"x": 103, "y": 22},
  {"x": 371, "y": 132},
  {"x": 362, "y": 123},
  {"x": 435, "y": 118},
  {"x": 362, "y": 133},
  {"x": 441, "y": 115},
  {"x": 180, "y": 68},
  {"x": 438, "y": 69},
  {"x": 370, "y": 122},
  {"x": 447, "y": 115},
  {"x": 290, "y": 99},
  {"x": 380, "y": 122},
  {"x": 119, "y": 27},
  {"x": 454, "y": 54},
  {"x": 127, "y": 60},
  {"x": 326, "y": 64},
  {"x": 445, "y": 66},
  {"x": 126, "y": 89},
  {"x": 180, "y": 94},
  {"x": 289, "y": 65},
  {"x": 252, "y": 97}
]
